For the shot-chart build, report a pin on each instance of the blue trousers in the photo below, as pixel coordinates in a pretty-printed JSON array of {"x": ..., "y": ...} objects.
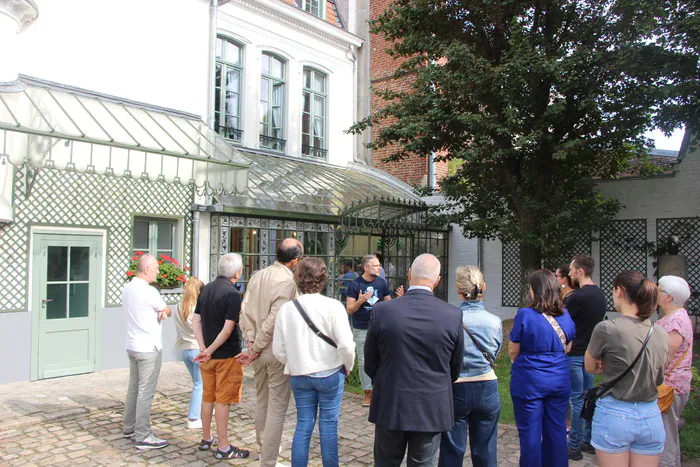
[
  {"x": 477, "y": 406},
  {"x": 321, "y": 396},
  {"x": 581, "y": 381},
  {"x": 542, "y": 430},
  {"x": 195, "y": 411}
]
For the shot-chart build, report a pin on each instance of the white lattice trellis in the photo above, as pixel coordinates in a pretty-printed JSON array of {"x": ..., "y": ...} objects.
[{"x": 65, "y": 198}]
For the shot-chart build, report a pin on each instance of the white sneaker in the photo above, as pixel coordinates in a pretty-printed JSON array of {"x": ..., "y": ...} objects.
[{"x": 194, "y": 424}]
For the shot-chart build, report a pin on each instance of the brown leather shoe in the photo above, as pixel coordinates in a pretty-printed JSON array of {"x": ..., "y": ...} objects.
[{"x": 368, "y": 398}]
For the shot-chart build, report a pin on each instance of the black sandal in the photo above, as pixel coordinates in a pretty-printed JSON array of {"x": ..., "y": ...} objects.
[
  {"x": 205, "y": 445},
  {"x": 232, "y": 453}
]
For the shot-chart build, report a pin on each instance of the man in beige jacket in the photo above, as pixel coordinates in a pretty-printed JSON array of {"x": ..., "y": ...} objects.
[{"x": 267, "y": 291}]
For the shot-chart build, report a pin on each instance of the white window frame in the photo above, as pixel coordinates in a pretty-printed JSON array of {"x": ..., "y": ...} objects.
[
  {"x": 177, "y": 247},
  {"x": 306, "y": 6},
  {"x": 235, "y": 134}
]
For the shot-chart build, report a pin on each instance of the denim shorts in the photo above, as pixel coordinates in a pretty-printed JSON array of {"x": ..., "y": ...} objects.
[{"x": 620, "y": 426}]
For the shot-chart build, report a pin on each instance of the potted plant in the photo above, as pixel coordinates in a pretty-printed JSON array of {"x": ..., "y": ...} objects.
[{"x": 171, "y": 276}]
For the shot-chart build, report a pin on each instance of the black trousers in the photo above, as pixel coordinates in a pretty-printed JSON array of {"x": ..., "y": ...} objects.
[{"x": 390, "y": 447}]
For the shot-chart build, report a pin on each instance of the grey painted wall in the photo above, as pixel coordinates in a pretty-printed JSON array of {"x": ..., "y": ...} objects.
[{"x": 15, "y": 346}]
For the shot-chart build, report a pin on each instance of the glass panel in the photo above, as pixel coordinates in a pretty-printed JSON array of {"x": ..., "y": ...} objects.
[
  {"x": 277, "y": 68},
  {"x": 56, "y": 308},
  {"x": 305, "y": 142},
  {"x": 79, "y": 263},
  {"x": 141, "y": 235},
  {"x": 307, "y": 78},
  {"x": 165, "y": 236},
  {"x": 231, "y": 104},
  {"x": 277, "y": 93},
  {"x": 79, "y": 300},
  {"x": 319, "y": 82},
  {"x": 57, "y": 263},
  {"x": 232, "y": 53},
  {"x": 233, "y": 82},
  {"x": 319, "y": 106},
  {"x": 265, "y": 89},
  {"x": 307, "y": 102},
  {"x": 265, "y": 65},
  {"x": 219, "y": 47}
]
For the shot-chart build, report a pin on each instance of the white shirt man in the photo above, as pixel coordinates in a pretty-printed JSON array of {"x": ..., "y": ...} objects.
[{"x": 145, "y": 309}]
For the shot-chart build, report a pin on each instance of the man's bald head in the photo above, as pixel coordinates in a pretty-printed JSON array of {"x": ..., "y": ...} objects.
[
  {"x": 425, "y": 270},
  {"x": 288, "y": 250},
  {"x": 147, "y": 268}
]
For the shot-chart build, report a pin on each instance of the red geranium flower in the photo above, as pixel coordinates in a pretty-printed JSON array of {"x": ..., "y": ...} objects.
[
  {"x": 139, "y": 253},
  {"x": 187, "y": 268},
  {"x": 129, "y": 273}
]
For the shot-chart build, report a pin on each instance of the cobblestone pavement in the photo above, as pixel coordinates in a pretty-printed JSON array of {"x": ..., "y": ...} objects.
[{"x": 77, "y": 420}]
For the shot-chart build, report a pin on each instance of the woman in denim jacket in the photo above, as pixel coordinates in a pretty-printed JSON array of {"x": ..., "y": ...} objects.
[{"x": 477, "y": 404}]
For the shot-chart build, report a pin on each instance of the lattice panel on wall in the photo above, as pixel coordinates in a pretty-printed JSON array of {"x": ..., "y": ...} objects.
[
  {"x": 65, "y": 198},
  {"x": 688, "y": 230},
  {"x": 622, "y": 247},
  {"x": 511, "y": 271}
]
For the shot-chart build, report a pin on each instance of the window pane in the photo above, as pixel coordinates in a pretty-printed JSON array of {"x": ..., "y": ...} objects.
[
  {"x": 231, "y": 104},
  {"x": 307, "y": 78},
  {"x": 57, "y": 263},
  {"x": 319, "y": 82},
  {"x": 264, "y": 112},
  {"x": 141, "y": 235},
  {"x": 319, "y": 106},
  {"x": 219, "y": 47},
  {"x": 232, "y": 53},
  {"x": 305, "y": 142},
  {"x": 265, "y": 65},
  {"x": 79, "y": 263},
  {"x": 79, "y": 300},
  {"x": 233, "y": 82},
  {"x": 307, "y": 102},
  {"x": 277, "y": 68},
  {"x": 265, "y": 90},
  {"x": 56, "y": 307},
  {"x": 277, "y": 93},
  {"x": 165, "y": 236},
  {"x": 305, "y": 123},
  {"x": 276, "y": 114}
]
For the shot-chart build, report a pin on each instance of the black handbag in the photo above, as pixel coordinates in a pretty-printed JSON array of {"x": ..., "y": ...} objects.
[
  {"x": 487, "y": 356},
  {"x": 593, "y": 394}
]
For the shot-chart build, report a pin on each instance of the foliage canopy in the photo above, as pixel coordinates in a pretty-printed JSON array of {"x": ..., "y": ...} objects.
[{"x": 537, "y": 100}]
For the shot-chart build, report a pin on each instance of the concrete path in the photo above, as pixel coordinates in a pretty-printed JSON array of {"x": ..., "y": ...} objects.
[{"x": 77, "y": 420}]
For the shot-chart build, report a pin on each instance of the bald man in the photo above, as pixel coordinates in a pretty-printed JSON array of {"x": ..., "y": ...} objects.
[
  {"x": 267, "y": 291},
  {"x": 144, "y": 310},
  {"x": 413, "y": 353}
]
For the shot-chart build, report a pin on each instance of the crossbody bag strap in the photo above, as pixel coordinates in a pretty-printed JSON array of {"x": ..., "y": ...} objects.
[
  {"x": 679, "y": 360},
  {"x": 483, "y": 351},
  {"x": 313, "y": 327},
  {"x": 612, "y": 383},
  {"x": 557, "y": 329}
]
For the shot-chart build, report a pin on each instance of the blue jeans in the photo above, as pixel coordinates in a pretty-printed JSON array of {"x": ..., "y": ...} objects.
[
  {"x": 195, "y": 412},
  {"x": 322, "y": 395},
  {"x": 477, "y": 407},
  {"x": 581, "y": 381}
]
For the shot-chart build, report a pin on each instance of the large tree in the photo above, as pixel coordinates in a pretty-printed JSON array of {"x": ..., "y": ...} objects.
[{"x": 536, "y": 100}]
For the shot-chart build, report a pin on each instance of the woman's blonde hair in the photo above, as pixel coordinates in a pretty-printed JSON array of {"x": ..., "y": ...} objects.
[
  {"x": 191, "y": 292},
  {"x": 470, "y": 282}
]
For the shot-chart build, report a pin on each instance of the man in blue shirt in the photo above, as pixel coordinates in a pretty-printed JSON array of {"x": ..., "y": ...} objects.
[
  {"x": 362, "y": 294},
  {"x": 347, "y": 275}
]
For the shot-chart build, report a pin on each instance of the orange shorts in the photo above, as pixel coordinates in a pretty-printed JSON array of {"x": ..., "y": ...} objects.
[{"x": 222, "y": 380}]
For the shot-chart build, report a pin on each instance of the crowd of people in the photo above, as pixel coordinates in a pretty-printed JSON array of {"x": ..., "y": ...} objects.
[{"x": 427, "y": 367}]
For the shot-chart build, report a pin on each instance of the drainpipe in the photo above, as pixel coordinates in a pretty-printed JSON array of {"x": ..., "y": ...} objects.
[
  {"x": 431, "y": 171},
  {"x": 356, "y": 98},
  {"x": 194, "y": 269},
  {"x": 213, "y": 19}
]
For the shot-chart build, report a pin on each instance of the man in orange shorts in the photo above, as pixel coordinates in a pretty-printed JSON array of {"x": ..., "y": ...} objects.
[{"x": 215, "y": 325}]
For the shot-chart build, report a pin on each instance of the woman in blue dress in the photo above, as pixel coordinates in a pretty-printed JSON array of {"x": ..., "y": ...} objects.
[{"x": 540, "y": 384}]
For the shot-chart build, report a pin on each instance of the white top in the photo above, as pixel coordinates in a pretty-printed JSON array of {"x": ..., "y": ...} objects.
[
  {"x": 142, "y": 303},
  {"x": 185, "y": 335},
  {"x": 302, "y": 351}
]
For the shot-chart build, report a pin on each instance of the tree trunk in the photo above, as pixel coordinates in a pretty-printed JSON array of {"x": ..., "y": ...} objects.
[{"x": 530, "y": 260}]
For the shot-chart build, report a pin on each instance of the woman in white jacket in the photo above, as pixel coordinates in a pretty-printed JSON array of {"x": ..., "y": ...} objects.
[{"x": 318, "y": 368}]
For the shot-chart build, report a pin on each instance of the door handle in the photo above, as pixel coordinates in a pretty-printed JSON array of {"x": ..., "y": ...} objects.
[{"x": 43, "y": 301}]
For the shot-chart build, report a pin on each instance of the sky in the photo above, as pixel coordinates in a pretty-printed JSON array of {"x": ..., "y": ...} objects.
[{"x": 662, "y": 142}]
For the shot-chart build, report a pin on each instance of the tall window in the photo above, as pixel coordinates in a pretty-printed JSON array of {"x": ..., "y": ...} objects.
[
  {"x": 227, "y": 105},
  {"x": 315, "y": 7},
  {"x": 313, "y": 117},
  {"x": 272, "y": 84}
]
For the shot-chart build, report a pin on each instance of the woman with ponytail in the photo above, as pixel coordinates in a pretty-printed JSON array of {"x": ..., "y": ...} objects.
[
  {"x": 187, "y": 342},
  {"x": 627, "y": 427},
  {"x": 477, "y": 404}
]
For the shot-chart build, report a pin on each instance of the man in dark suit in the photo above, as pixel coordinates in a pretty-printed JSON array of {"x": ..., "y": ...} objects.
[{"x": 413, "y": 353}]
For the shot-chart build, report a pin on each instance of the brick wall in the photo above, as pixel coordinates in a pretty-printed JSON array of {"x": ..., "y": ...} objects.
[{"x": 413, "y": 170}]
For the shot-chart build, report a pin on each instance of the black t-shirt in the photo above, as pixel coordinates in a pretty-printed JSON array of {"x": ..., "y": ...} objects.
[
  {"x": 587, "y": 307},
  {"x": 360, "y": 319},
  {"x": 219, "y": 301}
]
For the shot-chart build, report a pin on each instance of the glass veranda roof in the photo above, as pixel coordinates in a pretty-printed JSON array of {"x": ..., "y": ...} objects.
[
  {"x": 283, "y": 184},
  {"x": 52, "y": 125}
]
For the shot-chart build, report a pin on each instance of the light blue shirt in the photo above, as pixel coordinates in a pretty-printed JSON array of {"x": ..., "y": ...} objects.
[
  {"x": 487, "y": 330},
  {"x": 421, "y": 287}
]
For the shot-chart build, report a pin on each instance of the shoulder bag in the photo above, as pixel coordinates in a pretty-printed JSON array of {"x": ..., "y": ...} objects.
[
  {"x": 666, "y": 393},
  {"x": 592, "y": 395},
  {"x": 483, "y": 351},
  {"x": 557, "y": 329},
  {"x": 313, "y": 327}
]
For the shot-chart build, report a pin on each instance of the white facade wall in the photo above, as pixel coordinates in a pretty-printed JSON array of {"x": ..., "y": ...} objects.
[{"x": 273, "y": 26}]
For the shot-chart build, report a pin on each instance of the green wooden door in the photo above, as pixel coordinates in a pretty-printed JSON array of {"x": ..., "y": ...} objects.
[{"x": 66, "y": 293}]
